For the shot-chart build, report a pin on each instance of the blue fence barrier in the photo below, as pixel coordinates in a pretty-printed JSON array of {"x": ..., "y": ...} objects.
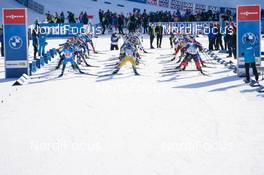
[{"x": 36, "y": 64}]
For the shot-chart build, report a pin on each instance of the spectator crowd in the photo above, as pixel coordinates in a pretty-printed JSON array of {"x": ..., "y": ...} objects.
[
  {"x": 132, "y": 21},
  {"x": 69, "y": 18}
]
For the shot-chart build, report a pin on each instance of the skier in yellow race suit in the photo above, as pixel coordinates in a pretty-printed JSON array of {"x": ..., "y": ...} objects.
[{"x": 129, "y": 53}]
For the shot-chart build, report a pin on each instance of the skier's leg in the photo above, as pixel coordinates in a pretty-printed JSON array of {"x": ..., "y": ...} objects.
[
  {"x": 198, "y": 66},
  {"x": 180, "y": 57},
  {"x": 84, "y": 60},
  {"x": 77, "y": 67},
  {"x": 184, "y": 63},
  {"x": 177, "y": 50},
  {"x": 63, "y": 68},
  {"x": 60, "y": 62},
  {"x": 171, "y": 44},
  {"x": 88, "y": 49},
  {"x": 120, "y": 65},
  {"x": 133, "y": 62},
  {"x": 135, "y": 70},
  {"x": 93, "y": 47}
]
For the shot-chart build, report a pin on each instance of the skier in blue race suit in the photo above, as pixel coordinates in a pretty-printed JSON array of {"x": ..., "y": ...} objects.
[{"x": 68, "y": 56}]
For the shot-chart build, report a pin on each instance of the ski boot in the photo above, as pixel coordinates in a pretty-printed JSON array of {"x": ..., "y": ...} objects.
[
  {"x": 116, "y": 71},
  {"x": 254, "y": 83},
  {"x": 135, "y": 70}
]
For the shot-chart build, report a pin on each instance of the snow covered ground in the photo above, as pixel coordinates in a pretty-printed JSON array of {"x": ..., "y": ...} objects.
[{"x": 153, "y": 124}]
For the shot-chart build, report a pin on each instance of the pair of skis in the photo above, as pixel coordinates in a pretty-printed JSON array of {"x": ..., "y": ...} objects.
[
  {"x": 254, "y": 83},
  {"x": 168, "y": 71},
  {"x": 260, "y": 88}
]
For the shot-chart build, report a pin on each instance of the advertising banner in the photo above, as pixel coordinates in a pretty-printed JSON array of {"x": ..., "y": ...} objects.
[
  {"x": 248, "y": 33},
  {"x": 16, "y": 42}
]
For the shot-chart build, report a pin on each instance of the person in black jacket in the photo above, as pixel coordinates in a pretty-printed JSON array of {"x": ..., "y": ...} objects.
[
  {"x": 132, "y": 24},
  {"x": 219, "y": 42},
  {"x": 145, "y": 21},
  {"x": 172, "y": 36},
  {"x": 120, "y": 22},
  {"x": 159, "y": 33},
  {"x": 232, "y": 41},
  {"x": 151, "y": 33},
  {"x": 104, "y": 23},
  {"x": 62, "y": 17},
  {"x": 71, "y": 17},
  {"x": 35, "y": 42},
  {"x": 85, "y": 19}
]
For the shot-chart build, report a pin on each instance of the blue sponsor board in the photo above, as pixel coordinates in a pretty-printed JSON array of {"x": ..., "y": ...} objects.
[
  {"x": 16, "y": 42},
  {"x": 54, "y": 30},
  {"x": 248, "y": 34}
]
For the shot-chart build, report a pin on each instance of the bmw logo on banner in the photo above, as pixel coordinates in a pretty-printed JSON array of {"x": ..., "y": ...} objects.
[
  {"x": 15, "y": 40},
  {"x": 249, "y": 38},
  {"x": 248, "y": 34}
]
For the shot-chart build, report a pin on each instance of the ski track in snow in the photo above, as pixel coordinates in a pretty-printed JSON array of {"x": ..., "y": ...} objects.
[{"x": 166, "y": 124}]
